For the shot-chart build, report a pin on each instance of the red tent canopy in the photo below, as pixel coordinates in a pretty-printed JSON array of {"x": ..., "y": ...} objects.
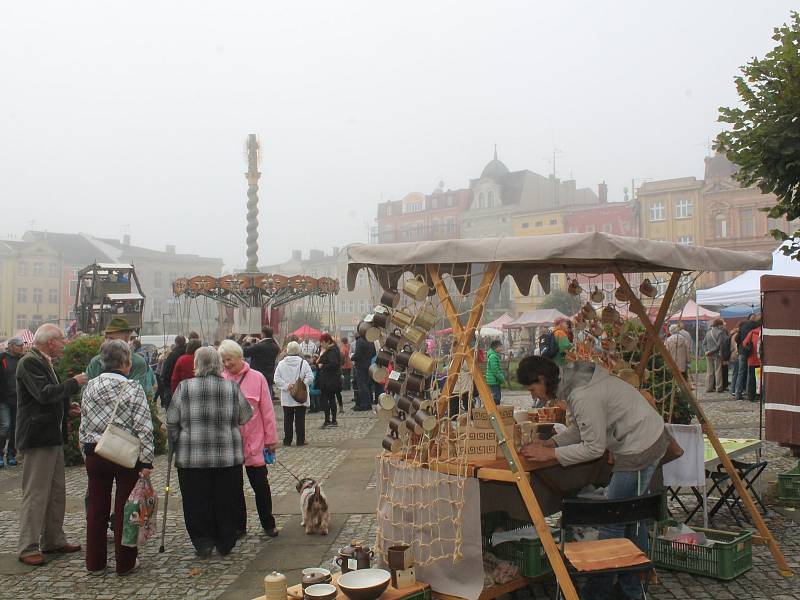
[
  {"x": 692, "y": 312},
  {"x": 306, "y": 331}
]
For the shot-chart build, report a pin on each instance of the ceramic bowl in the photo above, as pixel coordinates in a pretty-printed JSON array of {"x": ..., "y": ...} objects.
[
  {"x": 321, "y": 591},
  {"x": 315, "y": 575},
  {"x": 364, "y": 584}
]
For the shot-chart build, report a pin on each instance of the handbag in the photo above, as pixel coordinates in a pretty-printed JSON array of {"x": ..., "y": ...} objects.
[
  {"x": 299, "y": 390},
  {"x": 118, "y": 445}
]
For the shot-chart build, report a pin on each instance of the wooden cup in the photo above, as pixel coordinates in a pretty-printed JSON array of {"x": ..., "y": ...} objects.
[
  {"x": 425, "y": 319},
  {"x": 402, "y": 318},
  {"x": 419, "y": 361},
  {"x": 383, "y": 358},
  {"x": 378, "y": 373},
  {"x": 425, "y": 420},
  {"x": 402, "y": 359},
  {"x": 415, "y": 383},
  {"x": 390, "y": 298},
  {"x": 391, "y": 444},
  {"x": 394, "y": 341},
  {"x": 386, "y": 401},
  {"x": 406, "y": 404},
  {"x": 416, "y": 288}
]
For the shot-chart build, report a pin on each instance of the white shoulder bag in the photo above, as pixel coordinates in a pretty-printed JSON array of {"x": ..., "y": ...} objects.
[{"x": 118, "y": 445}]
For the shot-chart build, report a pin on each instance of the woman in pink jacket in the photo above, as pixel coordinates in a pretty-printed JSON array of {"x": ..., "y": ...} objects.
[{"x": 258, "y": 434}]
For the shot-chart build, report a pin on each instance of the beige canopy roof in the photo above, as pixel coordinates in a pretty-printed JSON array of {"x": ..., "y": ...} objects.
[{"x": 524, "y": 257}]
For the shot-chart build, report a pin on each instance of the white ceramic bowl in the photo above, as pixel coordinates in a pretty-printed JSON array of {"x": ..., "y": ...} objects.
[
  {"x": 364, "y": 584},
  {"x": 321, "y": 591}
]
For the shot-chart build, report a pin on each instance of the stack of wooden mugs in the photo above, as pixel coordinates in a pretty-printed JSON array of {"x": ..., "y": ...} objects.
[
  {"x": 402, "y": 332},
  {"x": 401, "y": 565}
]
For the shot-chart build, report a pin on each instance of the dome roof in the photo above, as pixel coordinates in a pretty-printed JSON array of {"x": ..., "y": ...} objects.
[{"x": 494, "y": 168}]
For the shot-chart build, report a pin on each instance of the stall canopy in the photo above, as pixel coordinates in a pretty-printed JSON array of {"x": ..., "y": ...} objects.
[
  {"x": 534, "y": 318},
  {"x": 306, "y": 331},
  {"x": 745, "y": 289},
  {"x": 525, "y": 257},
  {"x": 736, "y": 311},
  {"x": 693, "y": 312},
  {"x": 500, "y": 321}
]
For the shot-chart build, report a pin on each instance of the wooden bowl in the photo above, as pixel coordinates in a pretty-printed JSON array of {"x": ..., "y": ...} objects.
[{"x": 364, "y": 584}]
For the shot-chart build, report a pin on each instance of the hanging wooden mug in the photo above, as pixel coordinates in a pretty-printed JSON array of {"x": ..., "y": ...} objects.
[
  {"x": 391, "y": 444},
  {"x": 420, "y": 404},
  {"x": 396, "y": 382},
  {"x": 381, "y": 319},
  {"x": 367, "y": 330},
  {"x": 378, "y": 373},
  {"x": 648, "y": 289},
  {"x": 425, "y": 420},
  {"x": 416, "y": 288},
  {"x": 402, "y": 359},
  {"x": 402, "y": 318},
  {"x": 425, "y": 319},
  {"x": 413, "y": 427},
  {"x": 390, "y": 298},
  {"x": 395, "y": 423},
  {"x": 405, "y": 404},
  {"x": 414, "y": 335},
  {"x": 419, "y": 361},
  {"x": 383, "y": 358},
  {"x": 415, "y": 383},
  {"x": 394, "y": 341},
  {"x": 386, "y": 401}
]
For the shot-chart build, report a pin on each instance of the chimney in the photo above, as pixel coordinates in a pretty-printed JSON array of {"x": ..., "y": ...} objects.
[
  {"x": 602, "y": 192},
  {"x": 126, "y": 240},
  {"x": 170, "y": 249}
]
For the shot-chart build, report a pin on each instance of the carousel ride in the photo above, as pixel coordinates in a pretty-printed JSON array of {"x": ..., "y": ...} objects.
[{"x": 251, "y": 298}]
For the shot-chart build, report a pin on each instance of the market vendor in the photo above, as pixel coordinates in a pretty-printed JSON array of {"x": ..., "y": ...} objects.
[{"x": 607, "y": 414}]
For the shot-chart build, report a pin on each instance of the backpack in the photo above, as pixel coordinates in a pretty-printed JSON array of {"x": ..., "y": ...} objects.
[
  {"x": 299, "y": 390},
  {"x": 747, "y": 346},
  {"x": 548, "y": 346}
]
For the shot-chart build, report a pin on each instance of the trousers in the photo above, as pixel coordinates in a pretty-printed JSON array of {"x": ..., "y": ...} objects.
[
  {"x": 44, "y": 499},
  {"x": 294, "y": 421},
  {"x": 211, "y": 506},
  {"x": 259, "y": 481},
  {"x": 364, "y": 389},
  {"x": 714, "y": 373},
  {"x": 8, "y": 425},
  {"x": 103, "y": 474},
  {"x": 741, "y": 379},
  {"x": 328, "y": 402}
]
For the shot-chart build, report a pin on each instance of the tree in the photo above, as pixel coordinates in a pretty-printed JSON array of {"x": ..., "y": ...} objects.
[
  {"x": 764, "y": 139},
  {"x": 562, "y": 301}
]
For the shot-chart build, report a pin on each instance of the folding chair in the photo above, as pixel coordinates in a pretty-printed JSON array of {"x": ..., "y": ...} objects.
[
  {"x": 749, "y": 474},
  {"x": 581, "y": 512}
]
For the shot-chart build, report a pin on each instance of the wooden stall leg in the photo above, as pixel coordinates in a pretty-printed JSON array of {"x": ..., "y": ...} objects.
[
  {"x": 637, "y": 308},
  {"x": 523, "y": 482}
]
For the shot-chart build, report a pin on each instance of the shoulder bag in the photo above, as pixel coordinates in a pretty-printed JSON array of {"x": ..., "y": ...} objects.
[
  {"x": 118, "y": 445},
  {"x": 299, "y": 390}
]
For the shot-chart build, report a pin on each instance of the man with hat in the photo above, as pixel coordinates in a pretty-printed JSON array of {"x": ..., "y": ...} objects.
[
  {"x": 119, "y": 329},
  {"x": 8, "y": 399}
]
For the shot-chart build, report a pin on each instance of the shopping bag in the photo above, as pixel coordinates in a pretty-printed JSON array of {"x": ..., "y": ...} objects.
[{"x": 139, "y": 518}]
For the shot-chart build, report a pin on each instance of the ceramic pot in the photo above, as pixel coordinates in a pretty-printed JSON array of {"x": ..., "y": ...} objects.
[
  {"x": 416, "y": 288},
  {"x": 574, "y": 288},
  {"x": 621, "y": 295},
  {"x": 364, "y": 584},
  {"x": 315, "y": 575},
  {"x": 648, "y": 289},
  {"x": 597, "y": 295}
]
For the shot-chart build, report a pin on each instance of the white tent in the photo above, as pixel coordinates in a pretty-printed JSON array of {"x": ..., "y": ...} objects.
[
  {"x": 534, "y": 318},
  {"x": 745, "y": 289}
]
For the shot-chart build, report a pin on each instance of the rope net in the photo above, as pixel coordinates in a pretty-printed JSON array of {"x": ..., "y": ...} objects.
[{"x": 430, "y": 399}]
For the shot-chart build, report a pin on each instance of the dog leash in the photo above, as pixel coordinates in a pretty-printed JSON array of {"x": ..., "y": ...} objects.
[{"x": 297, "y": 479}]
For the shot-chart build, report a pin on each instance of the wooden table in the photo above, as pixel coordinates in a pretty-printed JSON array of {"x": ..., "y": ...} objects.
[{"x": 296, "y": 591}]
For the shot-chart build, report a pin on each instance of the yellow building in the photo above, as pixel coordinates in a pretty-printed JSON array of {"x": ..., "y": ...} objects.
[
  {"x": 537, "y": 223},
  {"x": 672, "y": 211},
  {"x": 30, "y": 286}
]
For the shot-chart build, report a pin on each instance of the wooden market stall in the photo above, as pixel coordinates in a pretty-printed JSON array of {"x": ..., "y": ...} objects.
[{"x": 491, "y": 261}]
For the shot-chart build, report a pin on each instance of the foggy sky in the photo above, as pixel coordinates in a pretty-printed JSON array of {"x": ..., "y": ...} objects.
[{"x": 132, "y": 117}]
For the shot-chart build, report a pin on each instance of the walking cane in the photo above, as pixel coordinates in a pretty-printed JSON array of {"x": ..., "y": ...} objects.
[{"x": 166, "y": 500}]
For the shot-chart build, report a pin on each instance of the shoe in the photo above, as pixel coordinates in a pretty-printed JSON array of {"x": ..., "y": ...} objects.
[
  {"x": 204, "y": 552},
  {"x": 302, "y": 444},
  {"x": 130, "y": 571},
  {"x": 272, "y": 532},
  {"x": 287, "y": 443},
  {"x": 333, "y": 424},
  {"x": 33, "y": 560},
  {"x": 97, "y": 573},
  {"x": 12, "y": 461},
  {"x": 325, "y": 425},
  {"x": 65, "y": 549}
]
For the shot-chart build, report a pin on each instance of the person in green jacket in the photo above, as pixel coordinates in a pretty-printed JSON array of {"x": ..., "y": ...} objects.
[
  {"x": 562, "y": 340},
  {"x": 119, "y": 329},
  {"x": 494, "y": 373}
]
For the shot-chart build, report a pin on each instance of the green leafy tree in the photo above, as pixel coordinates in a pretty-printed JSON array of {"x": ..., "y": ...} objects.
[
  {"x": 563, "y": 301},
  {"x": 764, "y": 135}
]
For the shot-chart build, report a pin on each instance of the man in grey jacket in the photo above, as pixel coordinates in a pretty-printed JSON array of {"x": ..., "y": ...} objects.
[
  {"x": 713, "y": 341},
  {"x": 607, "y": 414}
]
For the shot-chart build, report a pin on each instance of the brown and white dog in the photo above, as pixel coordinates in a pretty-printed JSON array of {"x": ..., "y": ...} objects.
[{"x": 313, "y": 507}]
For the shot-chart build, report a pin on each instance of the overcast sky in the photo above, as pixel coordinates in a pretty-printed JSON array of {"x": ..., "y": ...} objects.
[{"x": 132, "y": 117}]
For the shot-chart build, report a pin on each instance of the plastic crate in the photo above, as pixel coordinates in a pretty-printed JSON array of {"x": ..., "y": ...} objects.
[
  {"x": 730, "y": 555},
  {"x": 528, "y": 555},
  {"x": 420, "y": 595},
  {"x": 789, "y": 487}
]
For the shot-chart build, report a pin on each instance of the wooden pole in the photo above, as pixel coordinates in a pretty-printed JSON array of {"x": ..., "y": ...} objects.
[
  {"x": 659, "y": 322},
  {"x": 637, "y": 308},
  {"x": 522, "y": 479}
]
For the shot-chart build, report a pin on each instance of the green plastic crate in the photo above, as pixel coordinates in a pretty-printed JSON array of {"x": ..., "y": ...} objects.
[
  {"x": 421, "y": 595},
  {"x": 528, "y": 555},
  {"x": 730, "y": 556},
  {"x": 789, "y": 487}
]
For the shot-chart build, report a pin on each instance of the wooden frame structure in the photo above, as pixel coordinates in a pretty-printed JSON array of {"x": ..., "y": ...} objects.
[{"x": 513, "y": 469}]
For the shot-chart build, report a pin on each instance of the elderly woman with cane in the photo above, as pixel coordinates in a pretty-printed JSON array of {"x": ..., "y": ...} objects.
[
  {"x": 112, "y": 398},
  {"x": 203, "y": 422},
  {"x": 258, "y": 434}
]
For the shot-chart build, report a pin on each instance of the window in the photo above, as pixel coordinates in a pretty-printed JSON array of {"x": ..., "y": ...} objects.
[
  {"x": 538, "y": 224},
  {"x": 747, "y": 225},
  {"x": 52, "y": 269},
  {"x": 73, "y": 288},
  {"x": 685, "y": 240},
  {"x": 52, "y": 296},
  {"x": 553, "y": 221},
  {"x": 38, "y": 269},
  {"x": 657, "y": 210},
  {"x": 720, "y": 226},
  {"x": 555, "y": 282},
  {"x": 158, "y": 279},
  {"x": 22, "y": 294},
  {"x": 526, "y": 225},
  {"x": 590, "y": 229},
  {"x": 22, "y": 268},
  {"x": 38, "y": 296},
  {"x": 22, "y": 321},
  {"x": 36, "y": 320},
  {"x": 607, "y": 227},
  {"x": 451, "y": 225},
  {"x": 683, "y": 208}
]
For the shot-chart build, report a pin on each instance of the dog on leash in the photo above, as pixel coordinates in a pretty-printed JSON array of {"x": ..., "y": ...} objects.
[{"x": 313, "y": 507}]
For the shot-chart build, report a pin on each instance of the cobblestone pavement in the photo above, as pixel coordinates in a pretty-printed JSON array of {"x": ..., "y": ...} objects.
[{"x": 178, "y": 573}]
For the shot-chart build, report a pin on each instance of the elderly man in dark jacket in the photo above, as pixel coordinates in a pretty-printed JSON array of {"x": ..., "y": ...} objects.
[
  {"x": 169, "y": 365},
  {"x": 42, "y": 409},
  {"x": 362, "y": 359},
  {"x": 8, "y": 399},
  {"x": 263, "y": 356}
]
